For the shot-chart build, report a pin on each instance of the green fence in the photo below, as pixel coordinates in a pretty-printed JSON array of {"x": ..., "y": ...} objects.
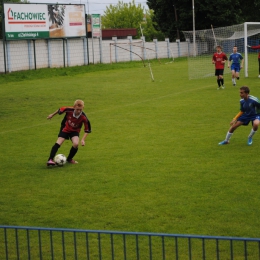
[{"x": 57, "y": 243}]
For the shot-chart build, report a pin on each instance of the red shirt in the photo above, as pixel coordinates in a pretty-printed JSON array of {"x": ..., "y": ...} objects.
[
  {"x": 72, "y": 123},
  {"x": 218, "y": 58},
  {"x": 256, "y": 48}
]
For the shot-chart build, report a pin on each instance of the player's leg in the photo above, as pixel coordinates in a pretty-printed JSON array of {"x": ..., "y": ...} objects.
[
  {"x": 217, "y": 77},
  {"x": 74, "y": 149},
  {"x": 221, "y": 78},
  {"x": 54, "y": 150},
  {"x": 233, "y": 72},
  {"x": 230, "y": 132},
  {"x": 218, "y": 82},
  {"x": 237, "y": 73},
  {"x": 255, "y": 125}
]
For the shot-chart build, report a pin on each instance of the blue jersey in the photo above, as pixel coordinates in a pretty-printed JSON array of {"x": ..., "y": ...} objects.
[
  {"x": 250, "y": 107},
  {"x": 235, "y": 58}
]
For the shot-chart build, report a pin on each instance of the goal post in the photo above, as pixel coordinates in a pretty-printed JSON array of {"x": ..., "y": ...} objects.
[
  {"x": 246, "y": 28},
  {"x": 240, "y": 35}
]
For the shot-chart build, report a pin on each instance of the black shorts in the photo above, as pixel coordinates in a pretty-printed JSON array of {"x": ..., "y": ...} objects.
[
  {"x": 67, "y": 135},
  {"x": 219, "y": 72}
]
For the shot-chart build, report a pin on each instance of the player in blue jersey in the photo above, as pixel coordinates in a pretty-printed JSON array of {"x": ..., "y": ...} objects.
[
  {"x": 249, "y": 111},
  {"x": 237, "y": 61}
]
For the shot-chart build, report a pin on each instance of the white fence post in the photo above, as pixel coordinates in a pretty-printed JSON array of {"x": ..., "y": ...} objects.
[
  {"x": 115, "y": 40},
  {"x": 130, "y": 38},
  {"x": 156, "y": 47},
  {"x": 179, "y": 48},
  {"x": 168, "y": 47}
]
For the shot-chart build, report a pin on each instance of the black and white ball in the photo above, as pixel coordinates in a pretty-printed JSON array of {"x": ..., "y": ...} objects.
[{"x": 60, "y": 159}]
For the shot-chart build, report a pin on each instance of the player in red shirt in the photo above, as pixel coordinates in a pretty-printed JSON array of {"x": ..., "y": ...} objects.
[
  {"x": 70, "y": 129},
  {"x": 219, "y": 58},
  {"x": 256, "y": 48}
]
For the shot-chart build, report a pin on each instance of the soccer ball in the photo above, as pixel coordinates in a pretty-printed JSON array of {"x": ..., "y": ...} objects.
[{"x": 60, "y": 159}]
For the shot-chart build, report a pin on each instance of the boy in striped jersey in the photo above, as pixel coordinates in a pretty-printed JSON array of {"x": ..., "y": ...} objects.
[
  {"x": 249, "y": 111},
  {"x": 219, "y": 58},
  {"x": 70, "y": 129}
]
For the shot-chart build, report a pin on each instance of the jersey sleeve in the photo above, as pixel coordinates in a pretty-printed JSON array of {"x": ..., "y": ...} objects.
[
  {"x": 89, "y": 128},
  {"x": 255, "y": 47},
  {"x": 87, "y": 124},
  {"x": 64, "y": 110},
  {"x": 240, "y": 113},
  {"x": 63, "y": 123}
]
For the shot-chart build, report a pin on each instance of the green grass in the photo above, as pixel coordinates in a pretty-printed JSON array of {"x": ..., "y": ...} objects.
[{"x": 151, "y": 164}]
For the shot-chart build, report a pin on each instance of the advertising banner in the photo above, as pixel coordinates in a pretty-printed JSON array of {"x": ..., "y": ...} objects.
[
  {"x": 25, "y": 21},
  {"x": 96, "y": 26},
  {"x": 67, "y": 20},
  {"x": 37, "y": 21}
]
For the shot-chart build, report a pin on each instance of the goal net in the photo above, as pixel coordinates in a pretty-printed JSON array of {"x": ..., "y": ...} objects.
[
  {"x": 138, "y": 50},
  {"x": 202, "y": 43}
]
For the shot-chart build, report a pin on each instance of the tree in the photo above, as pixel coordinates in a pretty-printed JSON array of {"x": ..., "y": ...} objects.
[
  {"x": 2, "y": 14},
  {"x": 149, "y": 25},
  {"x": 176, "y": 15},
  {"x": 130, "y": 15}
]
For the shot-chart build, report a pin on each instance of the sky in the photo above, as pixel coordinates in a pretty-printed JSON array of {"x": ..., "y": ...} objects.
[{"x": 92, "y": 6}]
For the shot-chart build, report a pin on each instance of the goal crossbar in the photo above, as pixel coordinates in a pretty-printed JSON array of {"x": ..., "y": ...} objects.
[{"x": 205, "y": 41}]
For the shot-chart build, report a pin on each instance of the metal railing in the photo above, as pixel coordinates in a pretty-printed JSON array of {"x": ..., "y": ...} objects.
[{"x": 17, "y": 242}]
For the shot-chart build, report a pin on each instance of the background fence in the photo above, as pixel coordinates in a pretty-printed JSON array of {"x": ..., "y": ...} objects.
[
  {"x": 50, "y": 53},
  {"x": 56, "y": 243}
]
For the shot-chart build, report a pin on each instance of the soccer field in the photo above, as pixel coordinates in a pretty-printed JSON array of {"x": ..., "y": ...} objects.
[{"x": 152, "y": 162}]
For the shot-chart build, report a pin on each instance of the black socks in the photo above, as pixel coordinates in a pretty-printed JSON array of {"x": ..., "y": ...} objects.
[{"x": 54, "y": 150}]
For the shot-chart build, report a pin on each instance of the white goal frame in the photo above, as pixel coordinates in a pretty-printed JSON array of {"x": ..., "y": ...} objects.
[
  {"x": 228, "y": 36},
  {"x": 245, "y": 42}
]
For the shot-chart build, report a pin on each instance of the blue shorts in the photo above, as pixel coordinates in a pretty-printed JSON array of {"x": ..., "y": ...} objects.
[
  {"x": 235, "y": 67},
  {"x": 247, "y": 118}
]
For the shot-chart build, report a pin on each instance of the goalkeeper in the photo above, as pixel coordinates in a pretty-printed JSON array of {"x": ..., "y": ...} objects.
[
  {"x": 256, "y": 48},
  {"x": 249, "y": 111}
]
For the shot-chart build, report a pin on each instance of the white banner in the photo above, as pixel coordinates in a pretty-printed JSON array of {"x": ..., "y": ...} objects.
[
  {"x": 26, "y": 21},
  {"x": 30, "y": 21}
]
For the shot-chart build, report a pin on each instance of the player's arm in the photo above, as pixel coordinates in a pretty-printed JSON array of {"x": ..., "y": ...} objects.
[
  {"x": 84, "y": 138},
  {"x": 242, "y": 62},
  {"x": 50, "y": 116},
  {"x": 224, "y": 59},
  {"x": 254, "y": 47},
  {"x": 229, "y": 61},
  {"x": 87, "y": 131},
  {"x": 234, "y": 120}
]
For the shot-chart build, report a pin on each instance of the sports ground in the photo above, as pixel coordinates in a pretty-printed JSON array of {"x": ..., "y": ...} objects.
[{"x": 152, "y": 162}]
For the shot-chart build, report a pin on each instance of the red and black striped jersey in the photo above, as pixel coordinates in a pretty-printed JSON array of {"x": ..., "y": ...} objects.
[
  {"x": 70, "y": 123},
  {"x": 218, "y": 57}
]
